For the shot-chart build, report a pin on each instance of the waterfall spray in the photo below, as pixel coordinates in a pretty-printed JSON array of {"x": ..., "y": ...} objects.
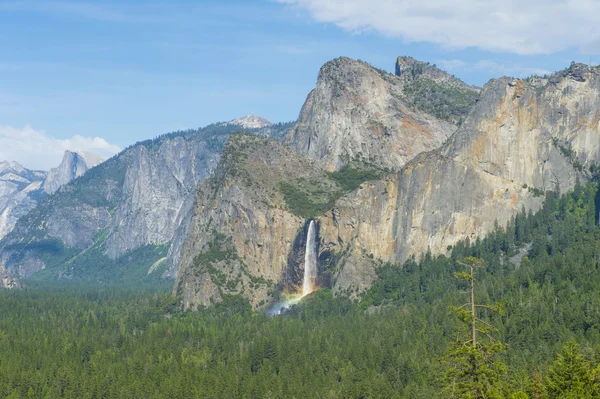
[{"x": 310, "y": 261}]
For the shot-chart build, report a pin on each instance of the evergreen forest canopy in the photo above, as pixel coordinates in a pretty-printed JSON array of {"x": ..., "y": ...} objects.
[{"x": 396, "y": 342}]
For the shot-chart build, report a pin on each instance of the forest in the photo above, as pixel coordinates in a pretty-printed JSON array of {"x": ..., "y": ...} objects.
[{"x": 538, "y": 281}]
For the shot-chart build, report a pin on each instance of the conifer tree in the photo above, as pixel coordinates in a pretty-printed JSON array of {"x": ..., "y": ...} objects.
[
  {"x": 571, "y": 376},
  {"x": 472, "y": 370}
]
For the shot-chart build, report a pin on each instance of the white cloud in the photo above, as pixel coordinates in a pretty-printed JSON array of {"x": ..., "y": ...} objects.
[
  {"x": 514, "y": 26},
  {"x": 35, "y": 149}
]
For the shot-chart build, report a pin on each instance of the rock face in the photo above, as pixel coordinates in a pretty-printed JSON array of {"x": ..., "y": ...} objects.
[
  {"x": 243, "y": 233},
  {"x": 434, "y": 91},
  {"x": 135, "y": 200},
  {"x": 250, "y": 122},
  {"x": 523, "y": 137},
  {"x": 74, "y": 164},
  {"x": 20, "y": 189},
  {"x": 357, "y": 112},
  {"x": 6, "y": 280}
]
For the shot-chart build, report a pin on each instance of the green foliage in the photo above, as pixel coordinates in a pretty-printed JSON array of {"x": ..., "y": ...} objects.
[
  {"x": 571, "y": 376},
  {"x": 449, "y": 102},
  {"x": 93, "y": 266},
  {"x": 218, "y": 250},
  {"x": 89, "y": 342},
  {"x": 472, "y": 368},
  {"x": 568, "y": 152},
  {"x": 472, "y": 372},
  {"x": 99, "y": 343},
  {"x": 308, "y": 200},
  {"x": 350, "y": 178}
]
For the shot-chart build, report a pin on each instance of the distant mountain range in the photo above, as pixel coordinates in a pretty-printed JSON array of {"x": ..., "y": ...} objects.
[
  {"x": 21, "y": 188},
  {"x": 119, "y": 217}
]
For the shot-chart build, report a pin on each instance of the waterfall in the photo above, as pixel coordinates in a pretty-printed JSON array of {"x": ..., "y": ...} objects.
[{"x": 310, "y": 261}]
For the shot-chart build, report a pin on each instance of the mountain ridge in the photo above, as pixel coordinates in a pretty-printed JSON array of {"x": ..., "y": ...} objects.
[
  {"x": 520, "y": 139},
  {"x": 134, "y": 200}
]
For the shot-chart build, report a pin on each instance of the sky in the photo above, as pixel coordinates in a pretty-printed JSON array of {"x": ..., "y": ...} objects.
[{"x": 100, "y": 75}]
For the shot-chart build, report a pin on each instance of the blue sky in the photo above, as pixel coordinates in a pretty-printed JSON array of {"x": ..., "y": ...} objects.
[{"x": 101, "y": 75}]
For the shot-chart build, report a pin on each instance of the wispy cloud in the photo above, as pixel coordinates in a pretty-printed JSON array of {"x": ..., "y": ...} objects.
[
  {"x": 513, "y": 26},
  {"x": 35, "y": 149}
]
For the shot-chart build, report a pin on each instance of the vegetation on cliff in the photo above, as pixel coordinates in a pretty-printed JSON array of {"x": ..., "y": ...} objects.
[{"x": 312, "y": 198}]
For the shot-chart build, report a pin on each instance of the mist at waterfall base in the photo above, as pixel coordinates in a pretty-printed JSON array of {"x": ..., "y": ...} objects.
[{"x": 309, "y": 282}]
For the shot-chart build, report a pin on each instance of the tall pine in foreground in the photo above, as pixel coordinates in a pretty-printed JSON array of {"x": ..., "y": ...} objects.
[{"x": 472, "y": 370}]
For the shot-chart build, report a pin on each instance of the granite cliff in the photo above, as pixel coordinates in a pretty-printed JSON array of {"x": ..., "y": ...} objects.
[
  {"x": 519, "y": 140},
  {"x": 246, "y": 233},
  {"x": 360, "y": 113},
  {"x": 522, "y": 138},
  {"x": 21, "y": 188},
  {"x": 74, "y": 164}
]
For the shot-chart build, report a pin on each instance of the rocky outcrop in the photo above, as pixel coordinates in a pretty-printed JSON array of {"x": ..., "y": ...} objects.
[
  {"x": 245, "y": 225},
  {"x": 74, "y": 164},
  {"x": 357, "y": 112},
  {"x": 6, "y": 280},
  {"x": 250, "y": 122},
  {"x": 20, "y": 189},
  {"x": 523, "y": 137}
]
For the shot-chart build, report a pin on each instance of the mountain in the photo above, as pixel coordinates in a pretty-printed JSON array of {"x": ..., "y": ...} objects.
[
  {"x": 74, "y": 164},
  {"x": 250, "y": 122},
  {"x": 518, "y": 140},
  {"x": 358, "y": 112},
  {"x": 522, "y": 139},
  {"x": 19, "y": 190},
  {"x": 117, "y": 221},
  {"x": 245, "y": 235},
  {"x": 248, "y": 229}
]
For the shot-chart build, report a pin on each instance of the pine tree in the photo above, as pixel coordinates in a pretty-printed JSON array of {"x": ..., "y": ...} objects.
[
  {"x": 571, "y": 376},
  {"x": 472, "y": 371},
  {"x": 538, "y": 388}
]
